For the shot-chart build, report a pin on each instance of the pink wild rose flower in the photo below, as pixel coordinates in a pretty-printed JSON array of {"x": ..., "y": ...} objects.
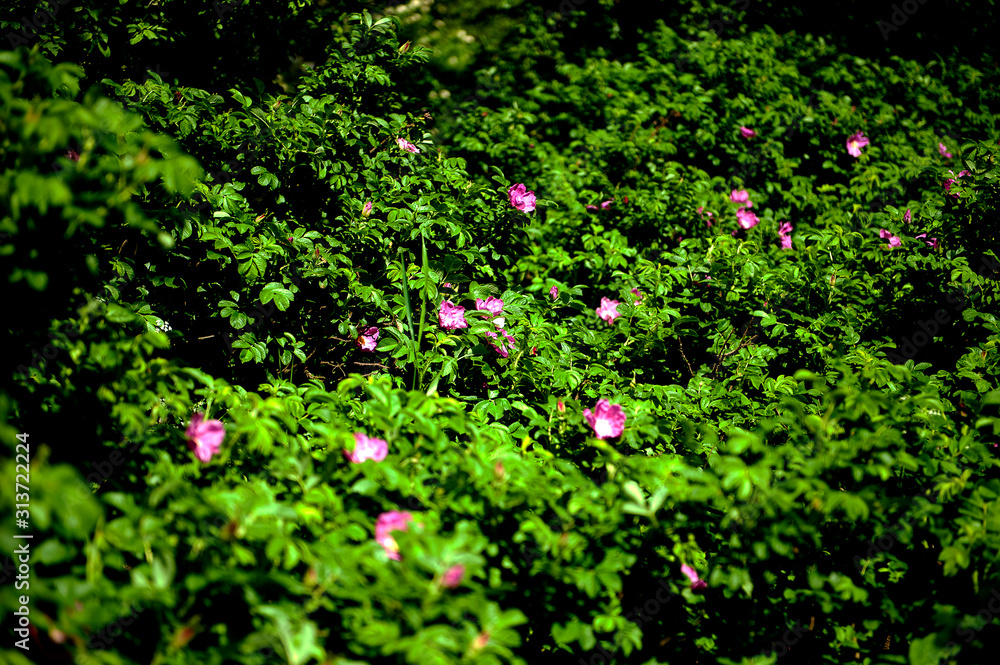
[
  {"x": 387, "y": 523},
  {"x": 785, "y": 232},
  {"x": 944, "y": 151},
  {"x": 205, "y": 436},
  {"x": 740, "y": 196},
  {"x": 368, "y": 339},
  {"x": 638, "y": 294},
  {"x": 707, "y": 216},
  {"x": 406, "y": 145},
  {"x": 503, "y": 348},
  {"x": 492, "y": 305},
  {"x": 452, "y": 316},
  {"x": 606, "y": 204},
  {"x": 366, "y": 448},
  {"x": 747, "y": 219},
  {"x": 453, "y": 576},
  {"x": 607, "y": 419},
  {"x": 932, "y": 243},
  {"x": 906, "y": 216},
  {"x": 747, "y": 132},
  {"x": 591, "y": 208},
  {"x": 608, "y": 310},
  {"x": 696, "y": 583},
  {"x": 855, "y": 142},
  {"x": 893, "y": 240},
  {"x": 520, "y": 198},
  {"x": 949, "y": 181},
  {"x": 554, "y": 292}
]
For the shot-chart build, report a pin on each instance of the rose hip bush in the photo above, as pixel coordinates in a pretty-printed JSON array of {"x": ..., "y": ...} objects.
[{"x": 683, "y": 353}]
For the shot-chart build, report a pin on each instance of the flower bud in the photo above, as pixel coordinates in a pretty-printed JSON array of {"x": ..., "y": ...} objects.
[{"x": 453, "y": 576}]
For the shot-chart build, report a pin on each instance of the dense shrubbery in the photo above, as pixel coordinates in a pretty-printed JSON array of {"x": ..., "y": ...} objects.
[{"x": 662, "y": 435}]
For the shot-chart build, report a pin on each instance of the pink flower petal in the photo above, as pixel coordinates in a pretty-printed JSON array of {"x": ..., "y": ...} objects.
[
  {"x": 367, "y": 339},
  {"x": 696, "y": 583},
  {"x": 492, "y": 305},
  {"x": 607, "y": 420},
  {"x": 453, "y": 576},
  {"x": 855, "y": 142},
  {"x": 451, "y": 316},
  {"x": 894, "y": 241},
  {"x": 387, "y": 523},
  {"x": 520, "y": 198},
  {"x": 367, "y": 448},
  {"x": 205, "y": 437},
  {"x": 406, "y": 145},
  {"x": 503, "y": 348},
  {"x": 785, "y": 233},
  {"x": 746, "y": 219},
  {"x": 608, "y": 310}
]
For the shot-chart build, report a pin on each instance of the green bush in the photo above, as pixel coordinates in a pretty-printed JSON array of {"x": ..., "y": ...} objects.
[{"x": 804, "y": 464}]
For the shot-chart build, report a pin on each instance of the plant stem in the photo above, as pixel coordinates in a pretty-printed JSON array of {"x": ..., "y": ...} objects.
[
  {"x": 409, "y": 316},
  {"x": 423, "y": 304}
]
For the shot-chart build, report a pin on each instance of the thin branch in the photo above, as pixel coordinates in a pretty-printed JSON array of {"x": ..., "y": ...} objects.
[{"x": 680, "y": 342}]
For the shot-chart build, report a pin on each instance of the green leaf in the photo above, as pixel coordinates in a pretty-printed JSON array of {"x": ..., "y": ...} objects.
[
  {"x": 275, "y": 291},
  {"x": 246, "y": 102},
  {"x": 118, "y": 314},
  {"x": 925, "y": 651}
]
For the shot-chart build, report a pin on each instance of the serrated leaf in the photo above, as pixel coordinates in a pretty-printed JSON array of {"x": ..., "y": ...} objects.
[{"x": 278, "y": 293}]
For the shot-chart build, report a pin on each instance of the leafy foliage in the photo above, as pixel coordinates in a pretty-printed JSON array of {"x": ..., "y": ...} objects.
[{"x": 812, "y": 430}]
